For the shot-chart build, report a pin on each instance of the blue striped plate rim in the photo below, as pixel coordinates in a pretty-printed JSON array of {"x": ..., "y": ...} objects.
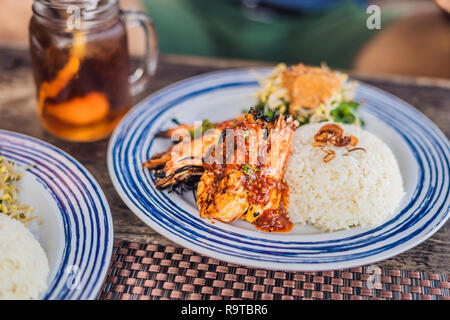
[
  {"x": 86, "y": 216},
  {"x": 427, "y": 211}
]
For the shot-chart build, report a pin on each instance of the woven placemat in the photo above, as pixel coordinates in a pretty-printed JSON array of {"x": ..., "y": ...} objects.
[{"x": 141, "y": 271}]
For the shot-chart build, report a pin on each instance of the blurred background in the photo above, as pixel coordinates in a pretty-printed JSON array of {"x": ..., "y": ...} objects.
[{"x": 413, "y": 38}]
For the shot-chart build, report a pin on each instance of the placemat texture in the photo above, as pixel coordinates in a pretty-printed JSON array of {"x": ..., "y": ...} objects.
[{"x": 152, "y": 272}]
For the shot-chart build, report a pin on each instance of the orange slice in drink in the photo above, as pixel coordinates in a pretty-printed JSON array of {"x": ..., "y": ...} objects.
[{"x": 81, "y": 110}]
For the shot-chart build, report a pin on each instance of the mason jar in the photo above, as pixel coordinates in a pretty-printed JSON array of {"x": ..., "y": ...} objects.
[{"x": 81, "y": 65}]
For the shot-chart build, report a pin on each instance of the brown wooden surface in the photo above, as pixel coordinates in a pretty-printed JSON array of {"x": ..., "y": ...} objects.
[{"x": 18, "y": 113}]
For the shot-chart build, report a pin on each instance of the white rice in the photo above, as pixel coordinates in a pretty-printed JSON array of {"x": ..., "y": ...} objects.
[
  {"x": 354, "y": 189},
  {"x": 23, "y": 263}
]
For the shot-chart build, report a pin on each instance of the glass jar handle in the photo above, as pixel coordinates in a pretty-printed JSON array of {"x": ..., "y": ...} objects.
[{"x": 140, "y": 77}]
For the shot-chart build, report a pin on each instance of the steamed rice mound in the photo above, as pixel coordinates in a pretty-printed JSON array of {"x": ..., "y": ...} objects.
[
  {"x": 354, "y": 189},
  {"x": 23, "y": 263}
]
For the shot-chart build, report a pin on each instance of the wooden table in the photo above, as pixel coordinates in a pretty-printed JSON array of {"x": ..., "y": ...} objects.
[{"x": 18, "y": 112}]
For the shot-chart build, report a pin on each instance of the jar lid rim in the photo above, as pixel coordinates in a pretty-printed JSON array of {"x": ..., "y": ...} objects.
[
  {"x": 91, "y": 13},
  {"x": 59, "y": 4}
]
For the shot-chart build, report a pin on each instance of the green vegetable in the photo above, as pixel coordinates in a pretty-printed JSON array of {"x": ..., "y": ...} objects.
[
  {"x": 346, "y": 112},
  {"x": 306, "y": 121},
  {"x": 247, "y": 169},
  {"x": 271, "y": 113},
  {"x": 192, "y": 133},
  {"x": 206, "y": 125}
]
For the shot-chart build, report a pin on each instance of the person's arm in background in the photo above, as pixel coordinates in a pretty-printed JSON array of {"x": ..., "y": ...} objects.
[
  {"x": 14, "y": 18},
  {"x": 418, "y": 44}
]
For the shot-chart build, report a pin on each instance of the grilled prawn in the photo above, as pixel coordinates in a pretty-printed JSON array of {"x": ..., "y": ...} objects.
[
  {"x": 182, "y": 165},
  {"x": 253, "y": 189}
]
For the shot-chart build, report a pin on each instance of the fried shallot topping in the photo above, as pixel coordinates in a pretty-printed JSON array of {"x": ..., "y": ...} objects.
[
  {"x": 329, "y": 156},
  {"x": 332, "y": 133}
]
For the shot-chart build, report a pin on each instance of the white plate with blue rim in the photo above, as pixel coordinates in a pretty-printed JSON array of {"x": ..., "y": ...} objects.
[
  {"x": 421, "y": 149},
  {"x": 76, "y": 230}
]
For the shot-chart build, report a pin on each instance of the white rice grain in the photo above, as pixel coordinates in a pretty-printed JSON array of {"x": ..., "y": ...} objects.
[
  {"x": 354, "y": 189},
  {"x": 23, "y": 263}
]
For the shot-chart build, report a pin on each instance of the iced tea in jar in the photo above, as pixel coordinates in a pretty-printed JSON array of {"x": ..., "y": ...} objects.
[{"x": 81, "y": 65}]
